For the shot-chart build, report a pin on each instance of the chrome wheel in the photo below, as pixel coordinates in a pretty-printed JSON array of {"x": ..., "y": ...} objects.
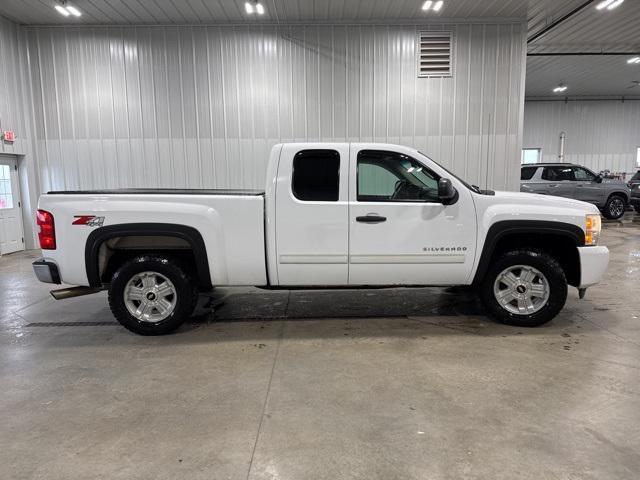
[
  {"x": 616, "y": 207},
  {"x": 150, "y": 297},
  {"x": 521, "y": 289}
]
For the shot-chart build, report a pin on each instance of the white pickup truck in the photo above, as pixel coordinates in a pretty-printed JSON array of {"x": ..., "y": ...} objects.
[{"x": 332, "y": 215}]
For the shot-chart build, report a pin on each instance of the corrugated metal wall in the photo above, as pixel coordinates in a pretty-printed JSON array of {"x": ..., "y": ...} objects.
[
  {"x": 201, "y": 106},
  {"x": 16, "y": 113},
  {"x": 600, "y": 134}
]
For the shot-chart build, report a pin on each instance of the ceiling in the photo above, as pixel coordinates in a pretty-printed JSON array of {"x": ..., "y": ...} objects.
[
  {"x": 589, "y": 30},
  {"x": 36, "y": 12}
]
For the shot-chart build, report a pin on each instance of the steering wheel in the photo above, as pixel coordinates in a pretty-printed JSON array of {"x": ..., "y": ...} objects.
[{"x": 400, "y": 184}]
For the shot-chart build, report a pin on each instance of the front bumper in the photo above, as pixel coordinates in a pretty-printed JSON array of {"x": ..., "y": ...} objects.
[
  {"x": 46, "y": 271},
  {"x": 593, "y": 265}
]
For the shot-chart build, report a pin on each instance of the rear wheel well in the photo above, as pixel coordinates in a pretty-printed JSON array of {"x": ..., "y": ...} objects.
[
  {"x": 109, "y": 247},
  {"x": 116, "y": 251},
  {"x": 561, "y": 247}
]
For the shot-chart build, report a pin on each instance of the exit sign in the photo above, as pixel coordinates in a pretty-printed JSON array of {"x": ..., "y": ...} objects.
[{"x": 9, "y": 136}]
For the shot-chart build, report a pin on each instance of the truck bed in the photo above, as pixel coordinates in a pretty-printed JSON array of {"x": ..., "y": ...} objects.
[{"x": 162, "y": 191}]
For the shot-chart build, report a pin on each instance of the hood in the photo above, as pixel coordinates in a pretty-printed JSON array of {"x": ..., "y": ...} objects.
[{"x": 546, "y": 200}]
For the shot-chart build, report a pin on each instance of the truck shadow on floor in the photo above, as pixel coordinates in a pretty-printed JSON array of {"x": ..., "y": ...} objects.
[{"x": 301, "y": 304}]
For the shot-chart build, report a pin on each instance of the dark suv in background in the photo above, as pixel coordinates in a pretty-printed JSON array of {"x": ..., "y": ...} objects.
[
  {"x": 634, "y": 186},
  {"x": 575, "y": 181}
]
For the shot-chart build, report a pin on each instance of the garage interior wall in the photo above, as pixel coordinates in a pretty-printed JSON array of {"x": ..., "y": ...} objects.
[
  {"x": 201, "y": 106},
  {"x": 601, "y": 135},
  {"x": 16, "y": 113}
]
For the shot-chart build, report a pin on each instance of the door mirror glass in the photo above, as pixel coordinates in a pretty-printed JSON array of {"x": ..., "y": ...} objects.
[{"x": 447, "y": 192}]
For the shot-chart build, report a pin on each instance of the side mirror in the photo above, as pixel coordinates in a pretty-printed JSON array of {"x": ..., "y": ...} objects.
[
  {"x": 446, "y": 192},
  {"x": 599, "y": 179}
]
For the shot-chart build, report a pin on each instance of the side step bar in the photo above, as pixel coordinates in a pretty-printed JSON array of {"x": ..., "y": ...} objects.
[{"x": 65, "y": 293}]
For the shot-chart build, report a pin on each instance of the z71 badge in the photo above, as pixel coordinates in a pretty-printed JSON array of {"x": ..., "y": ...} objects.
[{"x": 88, "y": 220}]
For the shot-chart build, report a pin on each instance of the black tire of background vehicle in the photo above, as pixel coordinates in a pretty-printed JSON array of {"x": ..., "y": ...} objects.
[
  {"x": 187, "y": 293},
  {"x": 547, "y": 265},
  {"x": 637, "y": 207},
  {"x": 606, "y": 211}
]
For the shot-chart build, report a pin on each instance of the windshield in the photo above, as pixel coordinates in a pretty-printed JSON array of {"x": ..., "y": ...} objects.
[{"x": 473, "y": 188}]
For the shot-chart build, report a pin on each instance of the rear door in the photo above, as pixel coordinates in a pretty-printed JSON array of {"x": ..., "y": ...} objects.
[
  {"x": 11, "y": 232},
  {"x": 312, "y": 223}
]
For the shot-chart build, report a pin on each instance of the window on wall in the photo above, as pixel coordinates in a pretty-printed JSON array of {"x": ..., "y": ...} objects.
[
  {"x": 316, "y": 175},
  {"x": 530, "y": 156},
  {"x": 6, "y": 195}
]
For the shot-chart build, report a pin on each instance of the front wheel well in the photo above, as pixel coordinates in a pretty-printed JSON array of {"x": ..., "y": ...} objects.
[
  {"x": 559, "y": 246},
  {"x": 619, "y": 194}
]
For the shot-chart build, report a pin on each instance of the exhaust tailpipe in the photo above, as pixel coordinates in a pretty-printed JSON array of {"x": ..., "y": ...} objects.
[{"x": 64, "y": 293}]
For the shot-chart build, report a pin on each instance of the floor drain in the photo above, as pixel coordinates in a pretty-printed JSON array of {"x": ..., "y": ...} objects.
[{"x": 72, "y": 324}]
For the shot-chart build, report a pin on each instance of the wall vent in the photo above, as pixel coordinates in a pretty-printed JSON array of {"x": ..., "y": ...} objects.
[{"x": 434, "y": 54}]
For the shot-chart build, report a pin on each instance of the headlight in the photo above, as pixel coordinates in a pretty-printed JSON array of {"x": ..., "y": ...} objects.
[{"x": 592, "y": 229}]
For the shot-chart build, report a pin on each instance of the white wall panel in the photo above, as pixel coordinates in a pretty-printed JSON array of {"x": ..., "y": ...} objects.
[
  {"x": 16, "y": 113},
  {"x": 201, "y": 106},
  {"x": 600, "y": 134}
]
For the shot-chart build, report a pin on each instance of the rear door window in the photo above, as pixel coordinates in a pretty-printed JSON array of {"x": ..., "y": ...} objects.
[{"x": 316, "y": 175}]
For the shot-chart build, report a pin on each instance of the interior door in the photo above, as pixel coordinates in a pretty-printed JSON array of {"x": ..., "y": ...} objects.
[
  {"x": 11, "y": 232},
  {"x": 312, "y": 208},
  {"x": 400, "y": 232}
]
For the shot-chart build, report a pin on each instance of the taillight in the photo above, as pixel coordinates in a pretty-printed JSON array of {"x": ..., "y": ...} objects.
[{"x": 47, "y": 233}]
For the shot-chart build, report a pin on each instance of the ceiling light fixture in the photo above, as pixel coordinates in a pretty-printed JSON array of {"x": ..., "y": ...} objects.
[
  {"x": 254, "y": 6},
  {"x": 66, "y": 10},
  {"x": 560, "y": 88},
  {"x": 609, "y": 4},
  {"x": 73, "y": 11},
  {"x": 430, "y": 5},
  {"x": 62, "y": 11},
  {"x": 634, "y": 60}
]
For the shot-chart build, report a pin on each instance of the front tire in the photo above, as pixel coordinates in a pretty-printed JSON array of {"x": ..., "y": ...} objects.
[
  {"x": 637, "y": 208},
  {"x": 615, "y": 207},
  {"x": 152, "y": 295},
  {"x": 524, "y": 288}
]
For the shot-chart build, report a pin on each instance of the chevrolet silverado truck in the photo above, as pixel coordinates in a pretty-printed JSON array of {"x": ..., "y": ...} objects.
[{"x": 332, "y": 215}]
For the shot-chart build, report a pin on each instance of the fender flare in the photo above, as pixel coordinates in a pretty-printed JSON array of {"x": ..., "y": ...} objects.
[
  {"x": 102, "y": 234},
  {"x": 501, "y": 229}
]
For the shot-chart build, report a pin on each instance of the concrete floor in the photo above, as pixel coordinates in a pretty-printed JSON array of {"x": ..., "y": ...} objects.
[{"x": 392, "y": 384}]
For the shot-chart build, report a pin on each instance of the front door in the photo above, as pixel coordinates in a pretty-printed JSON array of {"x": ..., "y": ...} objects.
[
  {"x": 400, "y": 232},
  {"x": 11, "y": 233},
  {"x": 587, "y": 188},
  {"x": 312, "y": 221}
]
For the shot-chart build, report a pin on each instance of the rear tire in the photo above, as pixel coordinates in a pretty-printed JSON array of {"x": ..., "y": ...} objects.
[
  {"x": 152, "y": 295},
  {"x": 524, "y": 288},
  {"x": 615, "y": 207}
]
